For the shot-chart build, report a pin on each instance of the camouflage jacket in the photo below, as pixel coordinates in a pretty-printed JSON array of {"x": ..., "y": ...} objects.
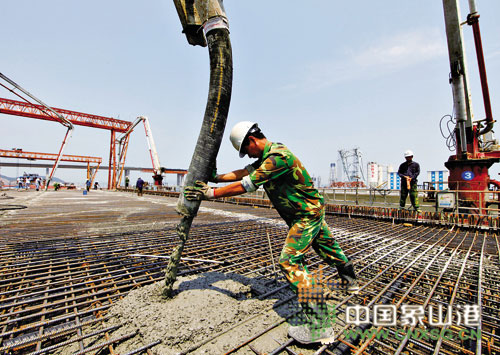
[{"x": 286, "y": 181}]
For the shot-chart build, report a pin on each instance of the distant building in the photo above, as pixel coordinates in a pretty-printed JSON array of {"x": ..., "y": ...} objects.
[
  {"x": 394, "y": 180},
  {"x": 438, "y": 178}
]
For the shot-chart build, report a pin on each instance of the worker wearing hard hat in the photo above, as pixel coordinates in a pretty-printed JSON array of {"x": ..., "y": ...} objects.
[
  {"x": 291, "y": 191},
  {"x": 408, "y": 172}
]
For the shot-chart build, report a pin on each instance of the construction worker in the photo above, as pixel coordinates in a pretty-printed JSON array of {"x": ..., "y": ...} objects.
[
  {"x": 139, "y": 185},
  {"x": 408, "y": 172},
  {"x": 291, "y": 190}
]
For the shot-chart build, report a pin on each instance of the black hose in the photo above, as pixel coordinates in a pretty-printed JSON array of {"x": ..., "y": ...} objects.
[
  {"x": 214, "y": 121},
  {"x": 209, "y": 139}
]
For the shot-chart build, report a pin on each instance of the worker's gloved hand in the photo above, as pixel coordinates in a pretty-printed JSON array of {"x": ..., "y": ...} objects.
[
  {"x": 200, "y": 191},
  {"x": 408, "y": 182}
]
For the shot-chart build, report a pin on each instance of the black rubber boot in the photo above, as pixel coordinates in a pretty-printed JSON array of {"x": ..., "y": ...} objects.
[
  {"x": 317, "y": 324},
  {"x": 348, "y": 276}
]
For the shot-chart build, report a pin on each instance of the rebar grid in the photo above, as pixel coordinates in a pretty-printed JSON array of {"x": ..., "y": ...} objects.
[
  {"x": 437, "y": 275},
  {"x": 55, "y": 285},
  {"x": 421, "y": 280}
]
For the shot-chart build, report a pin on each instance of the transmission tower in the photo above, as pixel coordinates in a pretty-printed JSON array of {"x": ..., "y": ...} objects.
[{"x": 352, "y": 164}]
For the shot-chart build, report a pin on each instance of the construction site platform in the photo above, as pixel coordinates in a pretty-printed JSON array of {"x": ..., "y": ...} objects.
[{"x": 66, "y": 259}]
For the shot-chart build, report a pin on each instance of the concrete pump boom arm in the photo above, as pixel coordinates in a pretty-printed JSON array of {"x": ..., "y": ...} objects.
[
  {"x": 151, "y": 146},
  {"x": 157, "y": 169}
]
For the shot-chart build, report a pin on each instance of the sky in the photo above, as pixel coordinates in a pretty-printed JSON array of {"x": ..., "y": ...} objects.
[{"x": 318, "y": 76}]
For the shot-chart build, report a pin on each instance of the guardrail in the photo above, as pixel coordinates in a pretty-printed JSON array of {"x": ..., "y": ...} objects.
[{"x": 428, "y": 199}]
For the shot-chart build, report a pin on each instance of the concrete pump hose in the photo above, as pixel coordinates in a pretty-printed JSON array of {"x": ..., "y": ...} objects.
[
  {"x": 214, "y": 121},
  {"x": 210, "y": 137}
]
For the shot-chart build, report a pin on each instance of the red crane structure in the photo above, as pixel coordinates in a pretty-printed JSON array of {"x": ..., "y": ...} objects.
[
  {"x": 25, "y": 109},
  {"x": 476, "y": 148},
  {"x": 20, "y": 154},
  {"x": 19, "y": 108}
]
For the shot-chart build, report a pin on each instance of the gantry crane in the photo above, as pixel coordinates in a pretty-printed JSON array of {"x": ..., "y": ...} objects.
[
  {"x": 117, "y": 155},
  {"x": 20, "y": 154},
  {"x": 27, "y": 109},
  {"x": 47, "y": 110}
]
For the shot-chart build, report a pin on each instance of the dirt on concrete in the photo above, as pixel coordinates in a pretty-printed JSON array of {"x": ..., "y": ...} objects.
[{"x": 211, "y": 313}]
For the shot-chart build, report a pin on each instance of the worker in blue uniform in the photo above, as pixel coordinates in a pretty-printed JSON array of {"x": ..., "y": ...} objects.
[{"x": 408, "y": 172}]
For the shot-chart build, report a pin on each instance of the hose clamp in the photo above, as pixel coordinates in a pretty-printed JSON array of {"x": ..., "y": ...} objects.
[{"x": 215, "y": 23}]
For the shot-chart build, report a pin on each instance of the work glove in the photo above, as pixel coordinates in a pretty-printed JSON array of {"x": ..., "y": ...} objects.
[
  {"x": 200, "y": 191},
  {"x": 408, "y": 182}
]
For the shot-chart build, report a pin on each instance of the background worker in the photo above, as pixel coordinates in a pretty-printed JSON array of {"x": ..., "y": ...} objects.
[
  {"x": 299, "y": 203},
  {"x": 408, "y": 172},
  {"x": 139, "y": 185}
]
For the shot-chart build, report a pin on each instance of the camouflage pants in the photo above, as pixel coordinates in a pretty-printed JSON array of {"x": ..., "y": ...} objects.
[
  {"x": 413, "y": 195},
  {"x": 304, "y": 233}
]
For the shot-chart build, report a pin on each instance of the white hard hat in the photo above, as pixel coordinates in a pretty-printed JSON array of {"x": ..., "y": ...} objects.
[
  {"x": 239, "y": 133},
  {"x": 408, "y": 153}
]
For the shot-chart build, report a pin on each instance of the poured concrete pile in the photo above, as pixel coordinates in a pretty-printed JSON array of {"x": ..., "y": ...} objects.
[{"x": 203, "y": 307}]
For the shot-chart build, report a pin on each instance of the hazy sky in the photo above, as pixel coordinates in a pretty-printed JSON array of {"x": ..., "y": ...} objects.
[{"x": 318, "y": 76}]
